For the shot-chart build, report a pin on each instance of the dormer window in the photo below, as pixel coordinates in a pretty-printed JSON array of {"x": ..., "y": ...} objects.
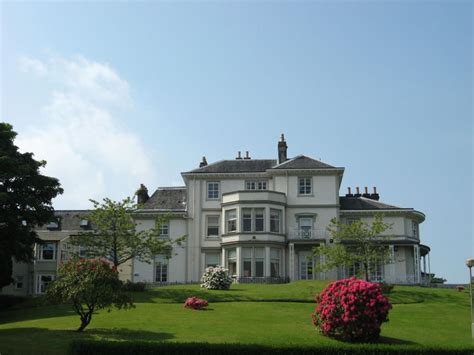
[{"x": 53, "y": 225}]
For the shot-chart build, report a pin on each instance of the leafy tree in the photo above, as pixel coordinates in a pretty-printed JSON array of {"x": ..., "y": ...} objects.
[
  {"x": 114, "y": 235},
  {"x": 354, "y": 243},
  {"x": 90, "y": 285},
  {"x": 25, "y": 202}
]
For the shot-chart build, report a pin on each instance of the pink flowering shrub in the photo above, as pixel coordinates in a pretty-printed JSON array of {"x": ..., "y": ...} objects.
[
  {"x": 195, "y": 303},
  {"x": 351, "y": 309}
]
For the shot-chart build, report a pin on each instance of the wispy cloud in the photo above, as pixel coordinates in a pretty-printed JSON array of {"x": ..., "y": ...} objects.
[{"x": 80, "y": 136}]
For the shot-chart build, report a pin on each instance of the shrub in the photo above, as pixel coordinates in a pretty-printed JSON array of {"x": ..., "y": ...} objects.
[
  {"x": 195, "y": 303},
  {"x": 130, "y": 286},
  {"x": 90, "y": 285},
  {"x": 351, "y": 309},
  {"x": 216, "y": 278}
]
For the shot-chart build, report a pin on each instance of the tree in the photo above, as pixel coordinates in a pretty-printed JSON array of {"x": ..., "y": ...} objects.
[
  {"x": 114, "y": 235},
  {"x": 90, "y": 285},
  {"x": 355, "y": 243},
  {"x": 25, "y": 202}
]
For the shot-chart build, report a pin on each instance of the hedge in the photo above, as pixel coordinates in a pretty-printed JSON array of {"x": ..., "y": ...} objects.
[{"x": 88, "y": 347}]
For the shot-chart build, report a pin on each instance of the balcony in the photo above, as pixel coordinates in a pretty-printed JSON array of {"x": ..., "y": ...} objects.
[{"x": 307, "y": 234}]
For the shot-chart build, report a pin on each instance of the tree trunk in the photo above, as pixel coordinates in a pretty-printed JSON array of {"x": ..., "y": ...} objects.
[
  {"x": 85, "y": 320},
  {"x": 366, "y": 269}
]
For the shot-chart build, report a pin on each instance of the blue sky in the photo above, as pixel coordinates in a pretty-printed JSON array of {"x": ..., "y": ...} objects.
[{"x": 113, "y": 94}]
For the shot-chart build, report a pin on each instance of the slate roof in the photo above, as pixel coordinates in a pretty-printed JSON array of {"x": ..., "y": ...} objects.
[
  {"x": 69, "y": 219},
  {"x": 167, "y": 198},
  {"x": 363, "y": 203},
  {"x": 237, "y": 166},
  {"x": 303, "y": 162}
]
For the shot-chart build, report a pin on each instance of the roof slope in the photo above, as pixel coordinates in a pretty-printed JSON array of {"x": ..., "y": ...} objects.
[
  {"x": 237, "y": 166},
  {"x": 167, "y": 198},
  {"x": 363, "y": 203},
  {"x": 303, "y": 162}
]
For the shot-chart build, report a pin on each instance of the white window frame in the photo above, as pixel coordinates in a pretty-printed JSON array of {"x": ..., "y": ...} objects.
[
  {"x": 39, "y": 290},
  {"x": 275, "y": 260},
  {"x": 215, "y": 191},
  {"x": 256, "y": 185},
  {"x": 208, "y": 264},
  {"x": 279, "y": 224},
  {"x": 303, "y": 232},
  {"x": 41, "y": 250},
  {"x": 164, "y": 230},
  {"x": 228, "y": 220},
  {"x": 161, "y": 262},
  {"x": 305, "y": 186},
  {"x": 217, "y": 225},
  {"x": 253, "y": 222}
]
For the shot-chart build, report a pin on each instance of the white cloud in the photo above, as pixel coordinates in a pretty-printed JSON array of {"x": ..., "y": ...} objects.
[{"x": 80, "y": 137}]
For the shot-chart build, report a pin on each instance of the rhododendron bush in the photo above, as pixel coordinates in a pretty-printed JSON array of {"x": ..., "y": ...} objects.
[
  {"x": 195, "y": 303},
  {"x": 216, "y": 278},
  {"x": 351, "y": 309}
]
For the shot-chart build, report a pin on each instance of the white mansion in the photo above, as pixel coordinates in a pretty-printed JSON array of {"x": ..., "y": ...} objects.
[{"x": 260, "y": 218}]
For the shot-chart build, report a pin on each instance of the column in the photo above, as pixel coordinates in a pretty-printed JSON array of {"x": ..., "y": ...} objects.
[
  {"x": 429, "y": 269},
  {"x": 238, "y": 261},
  {"x": 267, "y": 271},
  {"x": 424, "y": 269},
  {"x": 391, "y": 265},
  {"x": 283, "y": 262},
  {"x": 291, "y": 262},
  {"x": 223, "y": 261}
]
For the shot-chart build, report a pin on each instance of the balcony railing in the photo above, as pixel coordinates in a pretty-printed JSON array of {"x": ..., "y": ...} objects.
[{"x": 307, "y": 234}]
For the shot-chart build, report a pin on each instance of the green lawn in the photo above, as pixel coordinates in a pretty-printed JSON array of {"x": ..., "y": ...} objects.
[{"x": 250, "y": 314}]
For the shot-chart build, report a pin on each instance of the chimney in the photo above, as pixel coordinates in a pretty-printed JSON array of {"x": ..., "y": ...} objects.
[
  {"x": 349, "y": 192},
  {"x": 366, "y": 192},
  {"x": 247, "y": 155},
  {"x": 239, "y": 157},
  {"x": 282, "y": 150},
  {"x": 142, "y": 194},
  {"x": 203, "y": 162},
  {"x": 375, "y": 196},
  {"x": 357, "y": 194}
]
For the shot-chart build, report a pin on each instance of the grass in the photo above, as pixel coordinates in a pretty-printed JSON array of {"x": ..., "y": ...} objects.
[{"x": 277, "y": 315}]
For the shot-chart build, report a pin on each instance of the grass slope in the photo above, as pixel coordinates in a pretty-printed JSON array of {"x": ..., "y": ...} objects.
[{"x": 249, "y": 314}]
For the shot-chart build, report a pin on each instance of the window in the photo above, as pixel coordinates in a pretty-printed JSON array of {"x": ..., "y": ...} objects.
[
  {"x": 375, "y": 270},
  {"x": 212, "y": 226},
  {"x": 247, "y": 261},
  {"x": 164, "y": 229},
  {"x": 275, "y": 221},
  {"x": 161, "y": 269},
  {"x": 212, "y": 259},
  {"x": 259, "y": 261},
  {"x": 306, "y": 226},
  {"x": 232, "y": 262},
  {"x": 304, "y": 186},
  {"x": 47, "y": 251},
  {"x": 19, "y": 282},
  {"x": 247, "y": 220},
  {"x": 414, "y": 229},
  {"x": 42, "y": 282},
  {"x": 82, "y": 251},
  {"x": 275, "y": 262},
  {"x": 212, "y": 190},
  {"x": 231, "y": 220},
  {"x": 259, "y": 220},
  {"x": 256, "y": 185}
]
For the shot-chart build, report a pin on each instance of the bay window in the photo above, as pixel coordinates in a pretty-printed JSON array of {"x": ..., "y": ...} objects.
[
  {"x": 232, "y": 262},
  {"x": 247, "y": 262},
  {"x": 275, "y": 221},
  {"x": 259, "y": 261},
  {"x": 42, "y": 282},
  {"x": 247, "y": 220},
  {"x": 275, "y": 257},
  {"x": 47, "y": 251},
  {"x": 259, "y": 220}
]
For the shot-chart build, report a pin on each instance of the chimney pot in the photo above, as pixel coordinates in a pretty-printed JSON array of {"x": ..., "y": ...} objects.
[
  {"x": 282, "y": 150},
  {"x": 357, "y": 194},
  {"x": 239, "y": 156},
  {"x": 375, "y": 196},
  {"x": 247, "y": 155},
  {"x": 142, "y": 194},
  {"x": 366, "y": 192},
  {"x": 349, "y": 192},
  {"x": 203, "y": 162}
]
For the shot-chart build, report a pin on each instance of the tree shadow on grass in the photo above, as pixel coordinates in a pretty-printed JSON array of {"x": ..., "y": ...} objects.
[
  {"x": 118, "y": 334},
  {"x": 381, "y": 340},
  {"x": 170, "y": 295}
]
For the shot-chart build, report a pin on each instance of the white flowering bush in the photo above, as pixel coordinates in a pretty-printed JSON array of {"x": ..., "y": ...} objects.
[{"x": 216, "y": 278}]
